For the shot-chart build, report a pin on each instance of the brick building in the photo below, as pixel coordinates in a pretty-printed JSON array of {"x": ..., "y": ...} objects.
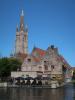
[{"x": 39, "y": 63}]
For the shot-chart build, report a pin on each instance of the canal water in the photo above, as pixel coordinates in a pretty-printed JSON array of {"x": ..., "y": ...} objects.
[{"x": 63, "y": 93}]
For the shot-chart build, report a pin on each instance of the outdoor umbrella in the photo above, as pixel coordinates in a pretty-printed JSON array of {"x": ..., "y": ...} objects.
[
  {"x": 19, "y": 78},
  {"x": 38, "y": 78},
  {"x": 46, "y": 78},
  {"x": 28, "y": 78}
]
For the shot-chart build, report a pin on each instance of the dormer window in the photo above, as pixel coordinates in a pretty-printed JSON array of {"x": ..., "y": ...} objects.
[
  {"x": 45, "y": 62},
  {"x": 29, "y": 60}
]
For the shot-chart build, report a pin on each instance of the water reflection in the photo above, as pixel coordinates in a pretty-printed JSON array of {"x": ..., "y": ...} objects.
[
  {"x": 65, "y": 93},
  {"x": 74, "y": 91}
]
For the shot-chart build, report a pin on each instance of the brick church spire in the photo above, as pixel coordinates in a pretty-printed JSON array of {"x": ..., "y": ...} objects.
[
  {"x": 22, "y": 21},
  {"x": 21, "y": 37}
]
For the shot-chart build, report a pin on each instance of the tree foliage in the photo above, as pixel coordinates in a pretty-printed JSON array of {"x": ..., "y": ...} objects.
[{"x": 7, "y": 65}]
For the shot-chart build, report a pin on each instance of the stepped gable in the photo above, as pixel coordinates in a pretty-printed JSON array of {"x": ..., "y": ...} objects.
[{"x": 64, "y": 61}]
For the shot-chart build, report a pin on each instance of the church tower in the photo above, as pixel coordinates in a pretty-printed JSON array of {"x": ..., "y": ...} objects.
[{"x": 21, "y": 45}]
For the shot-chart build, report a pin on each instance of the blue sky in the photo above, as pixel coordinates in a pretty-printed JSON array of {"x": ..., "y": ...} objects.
[{"x": 49, "y": 22}]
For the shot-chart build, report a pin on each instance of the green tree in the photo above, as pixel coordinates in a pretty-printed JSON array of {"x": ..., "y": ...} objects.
[
  {"x": 4, "y": 67},
  {"x": 14, "y": 64},
  {"x": 7, "y": 65}
]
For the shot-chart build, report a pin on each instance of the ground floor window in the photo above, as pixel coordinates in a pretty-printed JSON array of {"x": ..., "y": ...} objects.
[{"x": 45, "y": 67}]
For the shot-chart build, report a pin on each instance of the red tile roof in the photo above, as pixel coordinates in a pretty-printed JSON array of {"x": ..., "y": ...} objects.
[
  {"x": 36, "y": 59},
  {"x": 39, "y": 51}
]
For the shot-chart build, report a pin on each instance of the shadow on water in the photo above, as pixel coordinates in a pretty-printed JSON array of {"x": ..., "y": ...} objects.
[
  {"x": 63, "y": 93},
  {"x": 73, "y": 91}
]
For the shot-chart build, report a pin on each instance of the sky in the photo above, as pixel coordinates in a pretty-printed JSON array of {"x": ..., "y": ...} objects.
[{"x": 50, "y": 22}]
